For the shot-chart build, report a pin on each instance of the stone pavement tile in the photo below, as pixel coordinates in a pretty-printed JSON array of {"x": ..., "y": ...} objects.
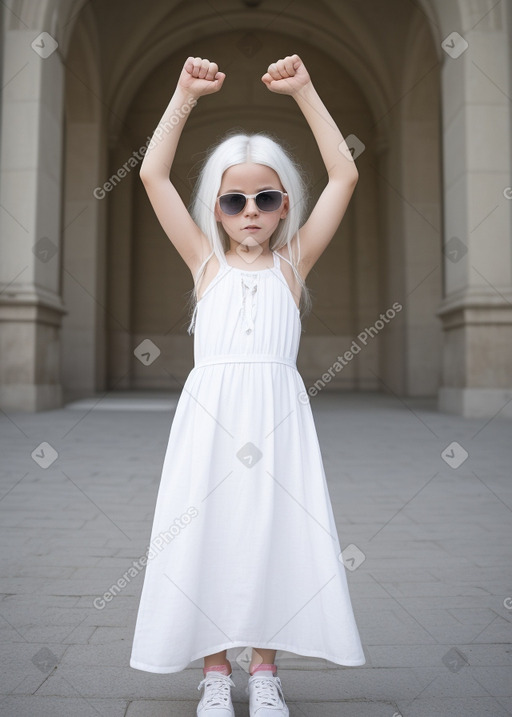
[
  {"x": 117, "y": 562},
  {"x": 348, "y": 708},
  {"x": 82, "y": 586},
  {"x": 497, "y": 680},
  {"x": 21, "y": 667},
  {"x": 453, "y": 707},
  {"x": 436, "y": 568},
  {"x": 55, "y": 634},
  {"x": 108, "y": 654},
  {"x": 107, "y": 574},
  {"x": 115, "y": 614},
  {"x": 364, "y": 592},
  {"x": 12, "y": 605},
  {"x": 323, "y": 685},
  {"x": 402, "y": 574},
  {"x": 428, "y": 655},
  {"x": 96, "y": 681},
  {"x": 500, "y": 630},
  {"x": 352, "y": 683},
  {"x": 115, "y": 617},
  {"x": 403, "y": 629},
  {"x": 174, "y": 708},
  {"x": 36, "y": 706},
  {"x": 392, "y": 684},
  {"x": 47, "y": 610},
  {"x": 452, "y": 602},
  {"x": 486, "y": 654},
  {"x": 477, "y": 616},
  {"x": 444, "y": 627},
  {"x": 108, "y": 635},
  {"x": 43, "y": 586},
  {"x": 434, "y": 589},
  {"x": 61, "y": 615},
  {"x": 121, "y": 602},
  {"x": 466, "y": 681}
]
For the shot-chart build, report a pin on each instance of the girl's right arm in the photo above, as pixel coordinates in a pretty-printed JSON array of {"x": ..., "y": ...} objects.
[{"x": 198, "y": 77}]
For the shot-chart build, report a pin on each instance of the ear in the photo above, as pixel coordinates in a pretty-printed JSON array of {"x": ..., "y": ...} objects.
[{"x": 285, "y": 208}]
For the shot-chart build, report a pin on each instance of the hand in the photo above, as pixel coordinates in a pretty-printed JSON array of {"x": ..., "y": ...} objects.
[
  {"x": 200, "y": 77},
  {"x": 287, "y": 76}
]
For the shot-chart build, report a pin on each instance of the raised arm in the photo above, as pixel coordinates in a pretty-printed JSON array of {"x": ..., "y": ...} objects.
[
  {"x": 289, "y": 76},
  {"x": 198, "y": 77}
]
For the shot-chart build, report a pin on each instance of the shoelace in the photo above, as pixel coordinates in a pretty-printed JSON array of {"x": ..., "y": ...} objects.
[
  {"x": 266, "y": 689},
  {"x": 216, "y": 692}
]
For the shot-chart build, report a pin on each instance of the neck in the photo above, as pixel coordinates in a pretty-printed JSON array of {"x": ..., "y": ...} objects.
[{"x": 244, "y": 249}]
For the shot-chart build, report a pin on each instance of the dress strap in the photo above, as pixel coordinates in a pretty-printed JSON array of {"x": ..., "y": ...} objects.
[{"x": 282, "y": 257}]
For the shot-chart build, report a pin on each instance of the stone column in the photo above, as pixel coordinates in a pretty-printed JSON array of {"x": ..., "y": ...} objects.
[
  {"x": 31, "y": 308},
  {"x": 476, "y": 310},
  {"x": 120, "y": 286},
  {"x": 84, "y": 258}
]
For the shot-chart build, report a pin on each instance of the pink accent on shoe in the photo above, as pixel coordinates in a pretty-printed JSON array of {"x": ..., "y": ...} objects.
[
  {"x": 272, "y": 668},
  {"x": 223, "y": 669}
]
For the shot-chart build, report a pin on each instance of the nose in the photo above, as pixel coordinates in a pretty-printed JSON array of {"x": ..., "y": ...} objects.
[{"x": 251, "y": 207}]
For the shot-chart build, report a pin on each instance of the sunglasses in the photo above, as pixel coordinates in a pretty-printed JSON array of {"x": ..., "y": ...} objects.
[{"x": 267, "y": 201}]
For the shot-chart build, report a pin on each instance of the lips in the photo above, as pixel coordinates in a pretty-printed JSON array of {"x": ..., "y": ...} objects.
[{"x": 253, "y": 226}]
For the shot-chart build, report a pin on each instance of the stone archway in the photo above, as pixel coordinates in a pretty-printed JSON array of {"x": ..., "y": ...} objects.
[
  {"x": 158, "y": 273},
  {"x": 371, "y": 370},
  {"x": 475, "y": 310}
]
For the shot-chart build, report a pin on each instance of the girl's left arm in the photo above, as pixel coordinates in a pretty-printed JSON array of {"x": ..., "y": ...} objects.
[{"x": 289, "y": 76}]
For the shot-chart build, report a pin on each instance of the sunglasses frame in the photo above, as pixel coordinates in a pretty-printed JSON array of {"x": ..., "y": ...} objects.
[{"x": 252, "y": 196}]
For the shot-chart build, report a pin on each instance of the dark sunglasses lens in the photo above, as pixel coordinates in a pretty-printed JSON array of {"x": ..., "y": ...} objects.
[
  {"x": 269, "y": 201},
  {"x": 232, "y": 203}
]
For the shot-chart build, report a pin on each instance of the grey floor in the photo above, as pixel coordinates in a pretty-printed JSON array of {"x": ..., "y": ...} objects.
[{"x": 425, "y": 528}]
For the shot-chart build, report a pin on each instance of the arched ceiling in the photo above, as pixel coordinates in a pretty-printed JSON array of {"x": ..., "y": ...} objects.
[{"x": 133, "y": 42}]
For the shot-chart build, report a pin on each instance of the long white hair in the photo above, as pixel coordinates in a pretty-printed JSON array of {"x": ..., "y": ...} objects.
[{"x": 259, "y": 148}]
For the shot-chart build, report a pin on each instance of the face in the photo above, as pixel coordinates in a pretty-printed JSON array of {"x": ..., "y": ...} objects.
[{"x": 250, "y": 178}]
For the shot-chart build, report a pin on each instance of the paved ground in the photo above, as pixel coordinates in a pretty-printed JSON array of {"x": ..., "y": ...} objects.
[{"x": 429, "y": 556}]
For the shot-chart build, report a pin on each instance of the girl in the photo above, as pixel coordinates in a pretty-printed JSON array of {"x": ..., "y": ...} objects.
[{"x": 244, "y": 550}]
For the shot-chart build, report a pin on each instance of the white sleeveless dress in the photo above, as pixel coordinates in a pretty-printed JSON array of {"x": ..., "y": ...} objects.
[{"x": 244, "y": 550}]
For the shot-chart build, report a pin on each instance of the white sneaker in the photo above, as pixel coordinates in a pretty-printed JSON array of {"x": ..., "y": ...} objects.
[
  {"x": 266, "y": 697},
  {"x": 216, "y": 699}
]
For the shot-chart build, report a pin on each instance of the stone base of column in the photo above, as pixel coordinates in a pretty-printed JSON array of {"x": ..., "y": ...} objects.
[
  {"x": 476, "y": 402},
  {"x": 30, "y": 350},
  {"x": 477, "y": 370},
  {"x": 31, "y": 397}
]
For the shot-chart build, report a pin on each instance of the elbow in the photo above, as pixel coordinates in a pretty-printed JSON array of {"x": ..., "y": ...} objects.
[
  {"x": 147, "y": 179},
  {"x": 151, "y": 176},
  {"x": 347, "y": 177}
]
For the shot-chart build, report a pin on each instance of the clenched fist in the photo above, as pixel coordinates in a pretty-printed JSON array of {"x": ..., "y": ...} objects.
[
  {"x": 286, "y": 76},
  {"x": 200, "y": 77}
]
